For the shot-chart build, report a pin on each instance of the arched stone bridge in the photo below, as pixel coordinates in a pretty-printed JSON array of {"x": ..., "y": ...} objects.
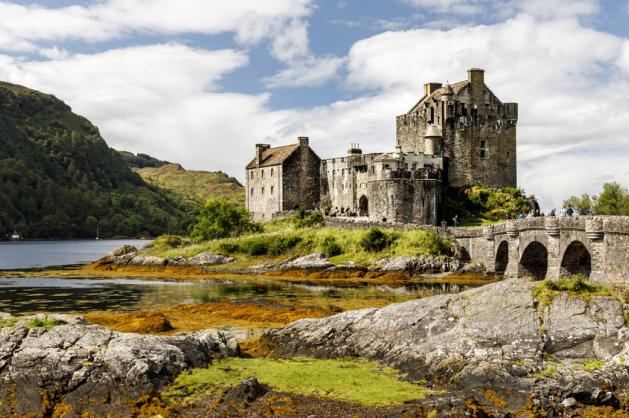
[{"x": 552, "y": 247}]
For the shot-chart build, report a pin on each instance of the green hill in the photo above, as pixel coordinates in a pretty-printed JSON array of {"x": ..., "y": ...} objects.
[
  {"x": 59, "y": 179},
  {"x": 194, "y": 186}
]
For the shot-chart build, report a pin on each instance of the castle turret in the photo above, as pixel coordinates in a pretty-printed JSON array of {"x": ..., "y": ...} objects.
[{"x": 432, "y": 140}]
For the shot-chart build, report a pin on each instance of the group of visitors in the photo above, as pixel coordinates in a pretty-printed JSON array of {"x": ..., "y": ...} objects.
[{"x": 563, "y": 212}]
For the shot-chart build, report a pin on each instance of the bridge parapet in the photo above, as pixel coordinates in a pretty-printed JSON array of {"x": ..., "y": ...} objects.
[{"x": 597, "y": 246}]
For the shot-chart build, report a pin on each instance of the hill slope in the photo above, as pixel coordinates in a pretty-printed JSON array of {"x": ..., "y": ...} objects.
[
  {"x": 194, "y": 186},
  {"x": 59, "y": 179}
]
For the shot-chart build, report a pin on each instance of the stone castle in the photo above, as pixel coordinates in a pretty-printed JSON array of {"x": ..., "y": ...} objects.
[{"x": 456, "y": 135}]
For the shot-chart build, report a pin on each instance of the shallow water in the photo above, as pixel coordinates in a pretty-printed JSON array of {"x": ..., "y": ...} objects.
[
  {"x": 35, "y": 254},
  {"x": 28, "y": 295}
]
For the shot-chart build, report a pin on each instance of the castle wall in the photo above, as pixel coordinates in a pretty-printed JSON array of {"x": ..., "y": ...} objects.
[
  {"x": 264, "y": 191},
  {"x": 405, "y": 200},
  {"x": 301, "y": 181}
]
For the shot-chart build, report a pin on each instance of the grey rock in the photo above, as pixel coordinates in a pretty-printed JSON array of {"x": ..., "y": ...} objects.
[
  {"x": 569, "y": 402},
  {"x": 123, "y": 250},
  {"x": 146, "y": 261},
  {"x": 419, "y": 264},
  {"x": 310, "y": 261},
  {"x": 203, "y": 259},
  {"x": 91, "y": 367},
  {"x": 496, "y": 335}
]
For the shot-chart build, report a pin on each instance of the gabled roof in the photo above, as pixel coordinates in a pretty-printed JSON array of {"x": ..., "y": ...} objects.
[
  {"x": 456, "y": 87},
  {"x": 274, "y": 156}
]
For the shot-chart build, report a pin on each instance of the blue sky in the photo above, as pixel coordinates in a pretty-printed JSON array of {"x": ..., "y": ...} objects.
[{"x": 201, "y": 81}]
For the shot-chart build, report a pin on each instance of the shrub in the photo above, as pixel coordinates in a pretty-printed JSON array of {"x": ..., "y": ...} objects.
[
  {"x": 221, "y": 219},
  {"x": 428, "y": 243},
  {"x": 331, "y": 248},
  {"x": 167, "y": 242},
  {"x": 273, "y": 245},
  {"x": 314, "y": 219},
  {"x": 376, "y": 240}
]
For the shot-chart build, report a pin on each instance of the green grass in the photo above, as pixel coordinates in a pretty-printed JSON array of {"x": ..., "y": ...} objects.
[
  {"x": 593, "y": 364},
  {"x": 194, "y": 186},
  {"x": 44, "y": 323},
  {"x": 354, "y": 381},
  {"x": 284, "y": 239},
  {"x": 8, "y": 322},
  {"x": 547, "y": 290}
]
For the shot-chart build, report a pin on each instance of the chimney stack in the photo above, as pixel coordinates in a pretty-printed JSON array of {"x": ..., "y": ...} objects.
[
  {"x": 304, "y": 141},
  {"x": 260, "y": 148},
  {"x": 476, "y": 77},
  {"x": 429, "y": 88}
]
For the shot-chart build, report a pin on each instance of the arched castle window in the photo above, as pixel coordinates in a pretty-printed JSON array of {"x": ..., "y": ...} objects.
[
  {"x": 252, "y": 189},
  {"x": 263, "y": 177},
  {"x": 271, "y": 189},
  {"x": 432, "y": 115},
  {"x": 252, "y": 174},
  {"x": 483, "y": 149},
  {"x": 263, "y": 191},
  {"x": 271, "y": 172}
]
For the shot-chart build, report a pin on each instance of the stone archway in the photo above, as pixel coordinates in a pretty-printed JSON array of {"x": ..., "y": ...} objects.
[
  {"x": 576, "y": 260},
  {"x": 363, "y": 206},
  {"x": 502, "y": 258},
  {"x": 534, "y": 261}
]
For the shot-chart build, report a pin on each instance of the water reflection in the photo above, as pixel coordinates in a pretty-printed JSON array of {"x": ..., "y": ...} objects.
[{"x": 27, "y": 295}]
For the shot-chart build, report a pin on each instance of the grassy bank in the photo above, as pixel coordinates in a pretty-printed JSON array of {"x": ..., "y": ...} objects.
[
  {"x": 353, "y": 381},
  {"x": 282, "y": 239}
]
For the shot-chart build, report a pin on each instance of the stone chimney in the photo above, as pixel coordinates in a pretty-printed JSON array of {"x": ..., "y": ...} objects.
[
  {"x": 429, "y": 88},
  {"x": 476, "y": 77},
  {"x": 260, "y": 148},
  {"x": 304, "y": 141}
]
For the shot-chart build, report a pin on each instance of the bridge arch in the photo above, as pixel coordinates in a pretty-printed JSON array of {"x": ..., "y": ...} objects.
[
  {"x": 576, "y": 260},
  {"x": 534, "y": 261},
  {"x": 502, "y": 257}
]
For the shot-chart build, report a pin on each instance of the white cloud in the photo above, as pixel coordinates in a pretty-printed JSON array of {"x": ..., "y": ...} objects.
[
  {"x": 540, "y": 8},
  {"x": 22, "y": 26},
  {"x": 308, "y": 72}
]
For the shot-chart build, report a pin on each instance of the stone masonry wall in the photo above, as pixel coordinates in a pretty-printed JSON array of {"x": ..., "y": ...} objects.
[{"x": 264, "y": 191}]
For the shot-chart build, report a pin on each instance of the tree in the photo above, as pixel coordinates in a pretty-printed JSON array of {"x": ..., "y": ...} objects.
[
  {"x": 613, "y": 200},
  {"x": 584, "y": 204},
  {"x": 221, "y": 219}
]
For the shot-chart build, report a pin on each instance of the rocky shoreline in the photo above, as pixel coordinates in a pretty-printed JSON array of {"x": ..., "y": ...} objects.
[
  {"x": 59, "y": 365},
  {"x": 499, "y": 349},
  {"x": 545, "y": 358},
  {"x": 128, "y": 257}
]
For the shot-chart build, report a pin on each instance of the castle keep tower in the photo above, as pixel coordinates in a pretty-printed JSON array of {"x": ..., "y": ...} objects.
[{"x": 478, "y": 131}]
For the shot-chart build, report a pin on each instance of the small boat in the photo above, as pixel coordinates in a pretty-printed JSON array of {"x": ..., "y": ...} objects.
[{"x": 15, "y": 236}]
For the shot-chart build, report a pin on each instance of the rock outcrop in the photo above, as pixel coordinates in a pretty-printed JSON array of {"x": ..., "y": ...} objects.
[
  {"x": 75, "y": 367},
  {"x": 497, "y": 336}
]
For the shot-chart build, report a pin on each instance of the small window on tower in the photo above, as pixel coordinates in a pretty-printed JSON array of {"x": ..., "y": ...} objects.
[
  {"x": 263, "y": 191},
  {"x": 271, "y": 189},
  {"x": 483, "y": 150},
  {"x": 271, "y": 172},
  {"x": 252, "y": 174},
  {"x": 251, "y": 189},
  {"x": 263, "y": 174}
]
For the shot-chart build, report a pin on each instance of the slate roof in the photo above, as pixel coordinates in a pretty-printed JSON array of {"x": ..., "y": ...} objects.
[{"x": 274, "y": 156}]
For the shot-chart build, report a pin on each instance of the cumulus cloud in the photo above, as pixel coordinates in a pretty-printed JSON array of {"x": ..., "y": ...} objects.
[{"x": 23, "y": 26}]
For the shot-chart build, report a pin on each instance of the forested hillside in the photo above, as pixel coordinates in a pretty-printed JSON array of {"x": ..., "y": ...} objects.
[{"x": 59, "y": 179}]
